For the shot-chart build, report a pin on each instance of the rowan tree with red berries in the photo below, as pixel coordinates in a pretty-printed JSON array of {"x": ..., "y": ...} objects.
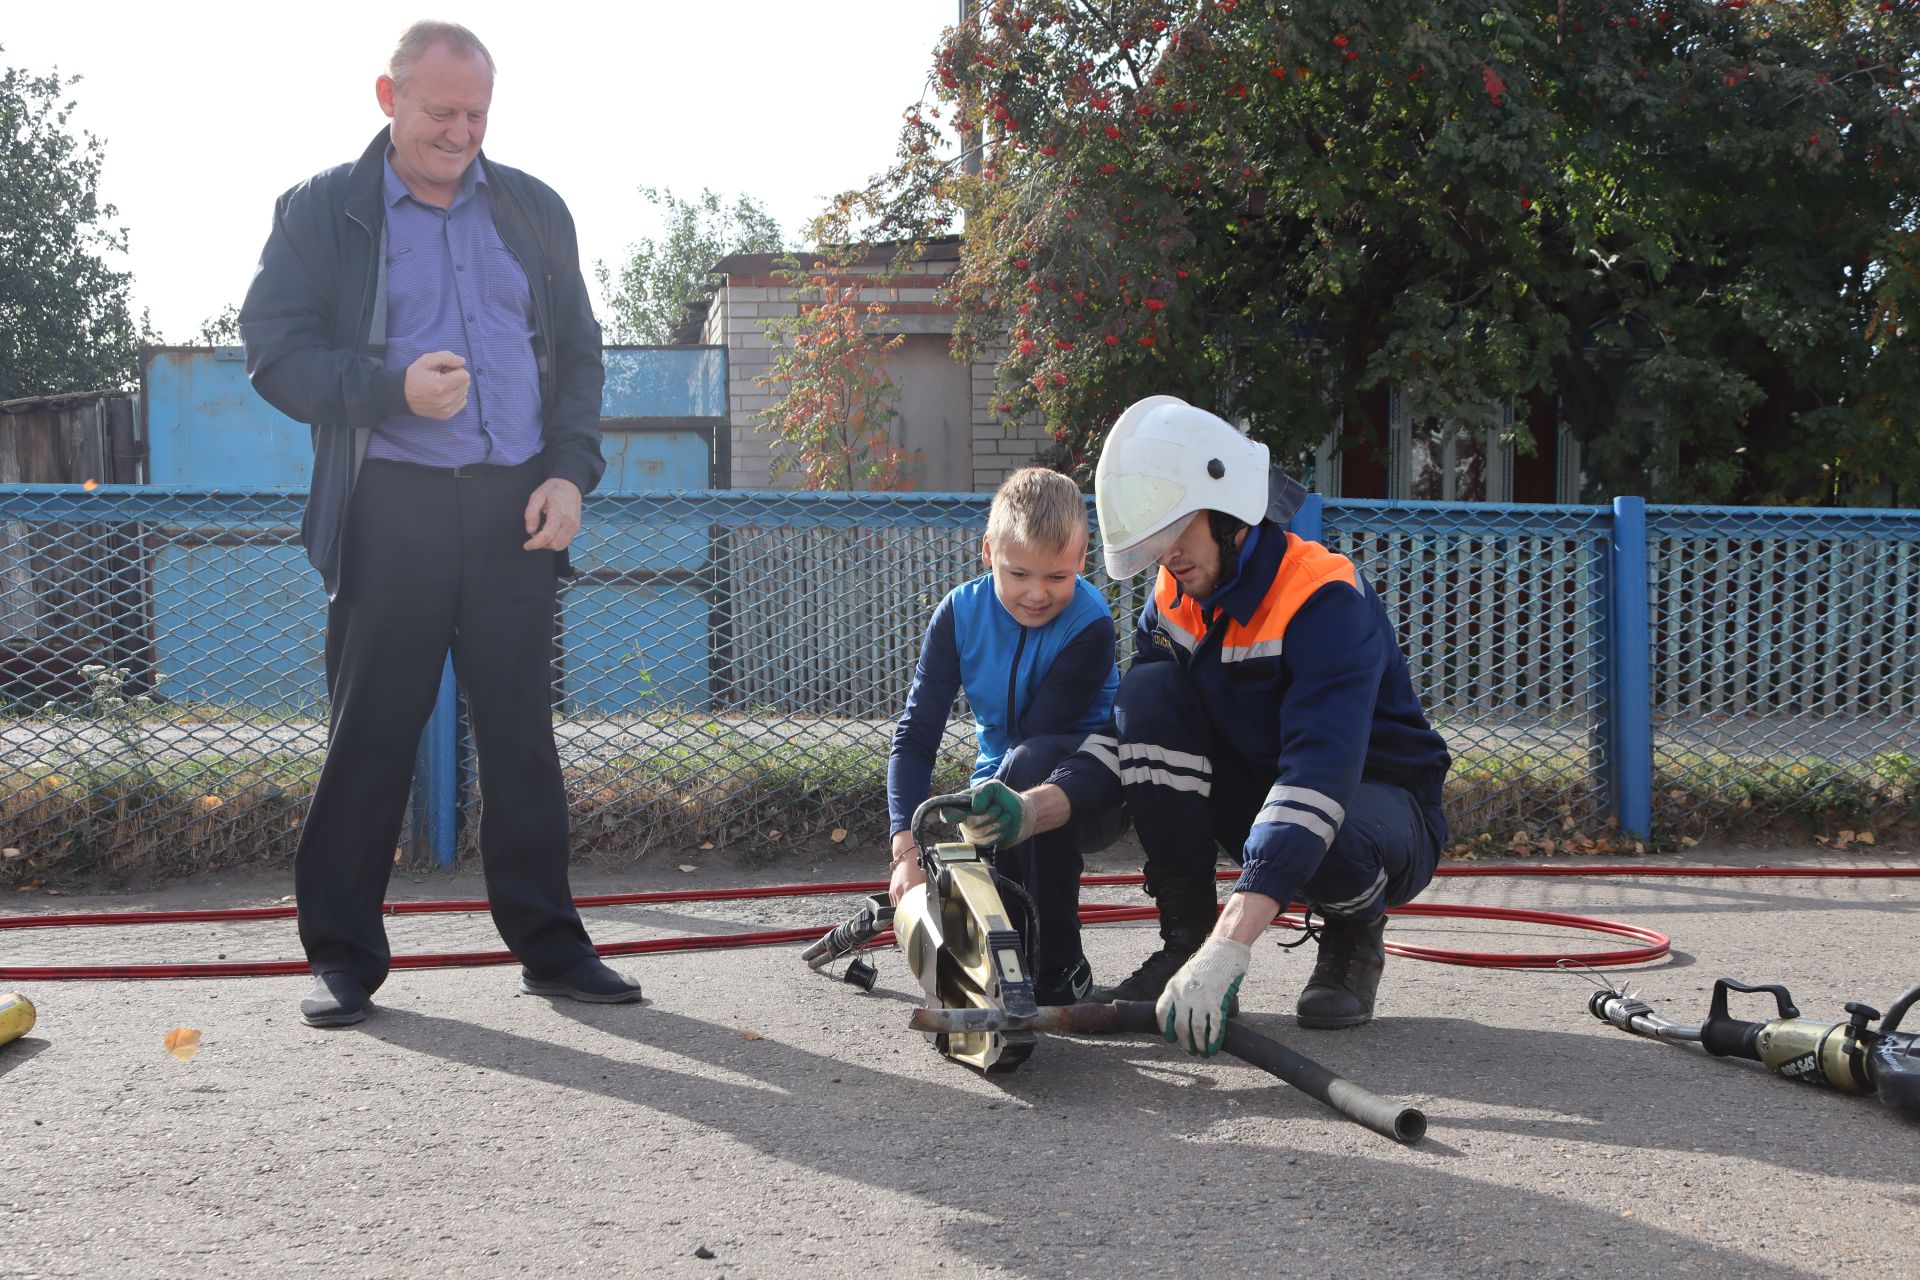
[
  {"x": 831, "y": 424},
  {"x": 1271, "y": 206}
]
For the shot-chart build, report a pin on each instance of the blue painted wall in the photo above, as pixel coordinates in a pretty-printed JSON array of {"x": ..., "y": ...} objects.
[{"x": 665, "y": 428}]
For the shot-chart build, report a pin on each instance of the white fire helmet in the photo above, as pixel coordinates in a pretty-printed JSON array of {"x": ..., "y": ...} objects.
[{"x": 1163, "y": 461}]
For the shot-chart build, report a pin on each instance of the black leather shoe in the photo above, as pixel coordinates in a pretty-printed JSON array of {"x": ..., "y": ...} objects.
[
  {"x": 590, "y": 980},
  {"x": 337, "y": 1000}
]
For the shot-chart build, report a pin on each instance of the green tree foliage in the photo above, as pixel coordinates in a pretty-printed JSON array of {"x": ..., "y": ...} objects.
[
  {"x": 647, "y": 300},
  {"x": 831, "y": 422},
  {"x": 1270, "y": 206},
  {"x": 65, "y": 322},
  {"x": 221, "y": 329}
]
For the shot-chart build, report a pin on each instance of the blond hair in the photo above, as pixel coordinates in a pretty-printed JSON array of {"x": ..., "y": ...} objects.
[
  {"x": 1041, "y": 510},
  {"x": 422, "y": 36}
]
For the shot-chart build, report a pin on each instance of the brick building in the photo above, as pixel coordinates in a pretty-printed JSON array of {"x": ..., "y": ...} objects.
[{"x": 945, "y": 409}]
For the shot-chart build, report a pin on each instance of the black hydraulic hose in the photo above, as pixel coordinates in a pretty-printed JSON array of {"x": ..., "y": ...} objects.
[
  {"x": 1402, "y": 1124},
  {"x": 1389, "y": 1119},
  {"x": 1891, "y": 1022},
  {"x": 934, "y": 807}
]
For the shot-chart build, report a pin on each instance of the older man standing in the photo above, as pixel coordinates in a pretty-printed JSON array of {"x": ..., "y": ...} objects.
[{"x": 423, "y": 309}]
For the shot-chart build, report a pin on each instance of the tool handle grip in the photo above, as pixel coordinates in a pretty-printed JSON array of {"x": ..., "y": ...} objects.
[
  {"x": 1390, "y": 1119},
  {"x": 932, "y": 807}
]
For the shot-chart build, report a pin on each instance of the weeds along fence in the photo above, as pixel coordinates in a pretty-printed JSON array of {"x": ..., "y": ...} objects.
[{"x": 728, "y": 666}]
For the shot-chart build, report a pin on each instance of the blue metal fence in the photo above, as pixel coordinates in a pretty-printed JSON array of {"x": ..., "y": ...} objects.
[{"x": 728, "y": 666}]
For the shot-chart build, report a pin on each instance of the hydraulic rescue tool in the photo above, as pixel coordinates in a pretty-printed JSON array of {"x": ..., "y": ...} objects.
[
  {"x": 957, "y": 937},
  {"x": 874, "y": 918},
  {"x": 958, "y": 940},
  {"x": 1851, "y": 1056}
]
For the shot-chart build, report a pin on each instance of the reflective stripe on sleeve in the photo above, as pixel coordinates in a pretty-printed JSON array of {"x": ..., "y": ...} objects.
[
  {"x": 1280, "y": 813},
  {"x": 1335, "y": 812}
]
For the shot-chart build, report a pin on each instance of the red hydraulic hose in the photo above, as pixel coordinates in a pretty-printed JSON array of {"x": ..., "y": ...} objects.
[{"x": 1657, "y": 944}]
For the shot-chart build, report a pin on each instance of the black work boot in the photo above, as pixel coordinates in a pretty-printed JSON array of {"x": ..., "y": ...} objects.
[
  {"x": 1340, "y": 992},
  {"x": 1187, "y": 913}
]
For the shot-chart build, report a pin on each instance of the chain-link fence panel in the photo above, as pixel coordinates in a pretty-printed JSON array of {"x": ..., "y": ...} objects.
[
  {"x": 1502, "y": 615},
  {"x": 162, "y": 665},
  {"x": 1786, "y": 668},
  {"x": 728, "y": 667},
  {"x": 731, "y": 665}
]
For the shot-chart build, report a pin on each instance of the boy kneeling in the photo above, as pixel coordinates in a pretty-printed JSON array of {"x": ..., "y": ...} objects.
[{"x": 1031, "y": 643}]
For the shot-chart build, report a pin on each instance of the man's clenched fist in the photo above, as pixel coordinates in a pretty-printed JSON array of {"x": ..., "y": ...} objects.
[{"x": 437, "y": 385}]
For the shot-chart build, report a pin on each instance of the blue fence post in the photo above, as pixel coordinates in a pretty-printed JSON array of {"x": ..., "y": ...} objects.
[
  {"x": 1629, "y": 675},
  {"x": 435, "y": 775},
  {"x": 1307, "y": 520}
]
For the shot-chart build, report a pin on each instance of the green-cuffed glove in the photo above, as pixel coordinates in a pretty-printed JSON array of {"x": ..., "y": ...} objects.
[
  {"x": 1001, "y": 816},
  {"x": 1193, "y": 1008}
]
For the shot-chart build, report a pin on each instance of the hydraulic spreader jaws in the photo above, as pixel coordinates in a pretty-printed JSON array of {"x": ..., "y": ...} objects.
[{"x": 960, "y": 943}]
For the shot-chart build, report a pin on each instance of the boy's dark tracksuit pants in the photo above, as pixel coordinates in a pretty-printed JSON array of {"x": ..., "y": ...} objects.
[{"x": 1048, "y": 866}]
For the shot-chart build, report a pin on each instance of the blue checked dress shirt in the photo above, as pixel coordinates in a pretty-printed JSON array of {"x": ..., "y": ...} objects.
[{"x": 452, "y": 285}]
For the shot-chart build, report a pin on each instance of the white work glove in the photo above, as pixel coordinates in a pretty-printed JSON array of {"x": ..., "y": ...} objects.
[
  {"x": 1192, "y": 1011},
  {"x": 1001, "y": 816}
]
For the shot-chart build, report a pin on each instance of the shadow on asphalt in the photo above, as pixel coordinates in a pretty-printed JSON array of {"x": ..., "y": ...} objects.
[
  {"x": 1097, "y": 1141},
  {"x": 1604, "y": 1086},
  {"x": 18, "y": 1052}
]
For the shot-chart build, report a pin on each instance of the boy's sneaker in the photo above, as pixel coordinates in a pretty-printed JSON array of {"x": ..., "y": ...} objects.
[{"x": 1065, "y": 986}]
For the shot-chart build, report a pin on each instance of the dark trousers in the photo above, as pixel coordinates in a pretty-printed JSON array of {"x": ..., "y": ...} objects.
[
  {"x": 1191, "y": 794},
  {"x": 432, "y": 562},
  {"x": 1048, "y": 866}
]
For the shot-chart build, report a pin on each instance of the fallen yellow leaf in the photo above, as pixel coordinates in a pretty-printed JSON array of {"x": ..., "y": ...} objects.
[
  {"x": 751, "y": 1035},
  {"x": 688, "y": 866},
  {"x": 183, "y": 1042},
  {"x": 839, "y": 834},
  {"x": 211, "y": 803}
]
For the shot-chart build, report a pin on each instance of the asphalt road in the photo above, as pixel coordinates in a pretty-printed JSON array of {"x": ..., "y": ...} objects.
[{"x": 790, "y": 1125}]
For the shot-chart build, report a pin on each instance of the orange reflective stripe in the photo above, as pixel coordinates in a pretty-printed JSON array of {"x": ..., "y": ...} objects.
[
  {"x": 1182, "y": 618},
  {"x": 1305, "y": 568}
]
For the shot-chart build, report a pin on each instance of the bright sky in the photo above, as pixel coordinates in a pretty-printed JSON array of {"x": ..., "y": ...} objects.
[{"x": 209, "y": 113}]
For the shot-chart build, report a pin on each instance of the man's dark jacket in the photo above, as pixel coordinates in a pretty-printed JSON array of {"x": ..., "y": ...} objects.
[{"x": 308, "y": 320}]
